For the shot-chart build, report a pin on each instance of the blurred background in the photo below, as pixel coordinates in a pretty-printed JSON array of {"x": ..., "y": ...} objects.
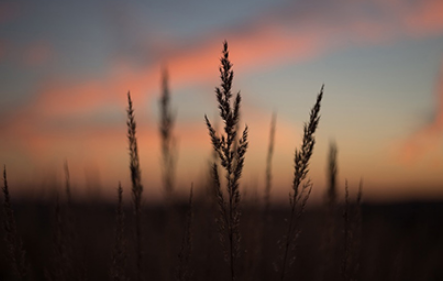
[{"x": 65, "y": 70}]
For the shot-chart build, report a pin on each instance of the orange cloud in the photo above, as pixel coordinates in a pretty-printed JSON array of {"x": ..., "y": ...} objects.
[
  {"x": 273, "y": 39},
  {"x": 57, "y": 98},
  {"x": 428, "y": 138},
  {"x": 266, "y": 42},
  {"x": 425, "y": 17}
]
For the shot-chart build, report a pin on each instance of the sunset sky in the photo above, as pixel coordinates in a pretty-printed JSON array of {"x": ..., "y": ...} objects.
[{"x": 66, "y": 67}]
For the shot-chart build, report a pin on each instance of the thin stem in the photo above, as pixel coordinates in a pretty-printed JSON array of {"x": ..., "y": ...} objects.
[
  {"x": 15, "y": 251},
  {"x": 231, "y": 151},
  {"x": 301, "y": 164},
  {"x": 137, "y": 188}
]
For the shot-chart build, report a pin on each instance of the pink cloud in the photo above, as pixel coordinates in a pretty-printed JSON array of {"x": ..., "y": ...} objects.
[
  {"x": 425, "y": 17},
  {"x": 56, "y": 98},
  {"x": 267, "y": 42},
  {"x": 428, "y": 138},
  {"x": 276, "y": 38}
]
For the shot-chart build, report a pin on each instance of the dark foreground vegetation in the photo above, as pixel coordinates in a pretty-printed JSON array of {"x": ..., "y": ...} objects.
[{"x": 398, "y": 242}]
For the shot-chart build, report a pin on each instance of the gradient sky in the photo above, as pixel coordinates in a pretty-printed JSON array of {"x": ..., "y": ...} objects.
[{"x": 65, "y": 69}]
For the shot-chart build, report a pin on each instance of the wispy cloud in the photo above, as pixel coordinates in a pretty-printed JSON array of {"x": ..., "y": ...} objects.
[{"x": 289, "y": 34}]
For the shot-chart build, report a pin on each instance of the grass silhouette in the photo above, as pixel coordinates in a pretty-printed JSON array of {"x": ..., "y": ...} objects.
[
  {"x": 137, "y": 188},
  {"x": 348, "y": 241},
  {"x": 16, "y": 253},
  {"x": 299, "y": 197},
  {"x": 231, "y": 151}
]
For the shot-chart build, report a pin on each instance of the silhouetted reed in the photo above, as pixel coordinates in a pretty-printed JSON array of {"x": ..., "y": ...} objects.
[
  {"x": 329, "y": 239},
  {"x": 167, "y": 138},
  {"x": 182, "y": 241},
  {"x": 268, "y": 180},
  {"x": 332, "y": 170},
  {"x": 264, "y": 221},
  {"x": 169, "y": 157},
  {"x": 137, "y": 188},
  {"x": 231, "y": 151},
  {"x": 67, "y": 183},
  {"x": 15, "y": 252},
  {"x": 183, "y": 272},
  {"x": 62, "y": 261},
  {"x": 118, "y": 266},
  {"x": 352, "y": 235},
  {"x": 299, "y": 198},
  {"x": 62, "y": 268}
]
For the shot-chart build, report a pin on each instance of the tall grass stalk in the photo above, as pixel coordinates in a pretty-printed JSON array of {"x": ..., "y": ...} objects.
[
  {"x": 63, "y": 235},
  {"x": 62, "y": 257},
  {"x": 67, "y": 183},
  {"x": 263, "y": 224},
  {"x": 345, "y": 272},
  {"x": 183, "y": 272},
  {"x": 118, "y": 266},
  {"x": 329, "y": 238},
  {"x": 168, "y": 151},
  {"x": 332, "y": 170},
  {"x": 167, "y": 139},
  {"x": 352, "y": 235},
  {"x": 268, "y": 179},
  {"x": 137, "y": 188},
  {"x": 231, "y": 151},
  {"x": 16, "y": 253},
  {"x": 298, "y": 198}
]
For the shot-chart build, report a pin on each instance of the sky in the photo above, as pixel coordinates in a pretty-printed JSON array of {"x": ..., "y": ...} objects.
[{"x": 66, "y": 68}]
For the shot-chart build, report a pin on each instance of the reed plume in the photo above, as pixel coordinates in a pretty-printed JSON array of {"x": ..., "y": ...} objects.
[
  {"x": 15, "y": 252},
  {"x": 299, "y": 198},
  {"x": 137, "y": 188},
  {"x": 231, "y": 151}
]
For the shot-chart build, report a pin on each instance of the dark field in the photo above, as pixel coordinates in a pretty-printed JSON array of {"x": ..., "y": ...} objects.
[{"x": 396, "y": 242}]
